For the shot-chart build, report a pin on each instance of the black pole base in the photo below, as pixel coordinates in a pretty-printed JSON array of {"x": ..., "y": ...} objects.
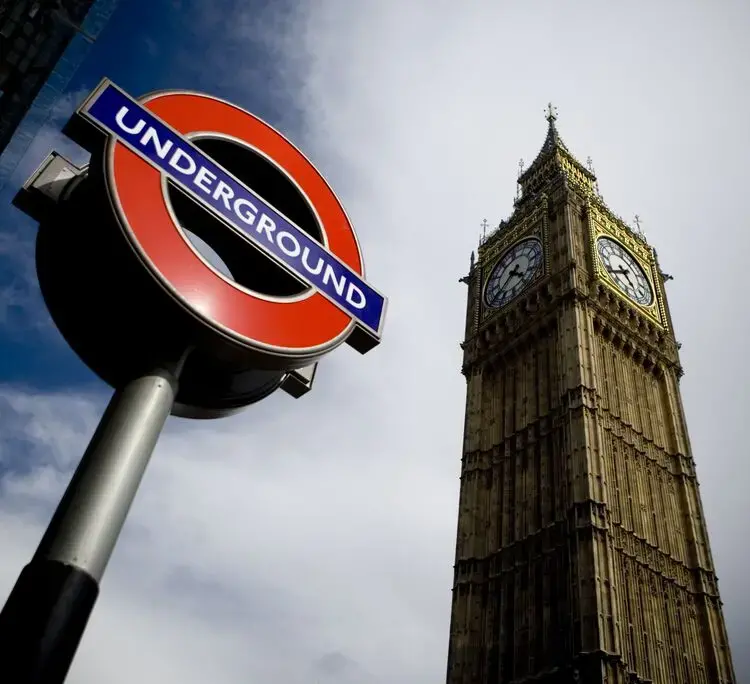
[{"x": 43, "y": 621}]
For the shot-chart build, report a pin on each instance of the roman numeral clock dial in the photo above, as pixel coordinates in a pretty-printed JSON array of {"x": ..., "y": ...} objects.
[
  {"x": 515, "y": 271},
  {"x": 625, "y": 271}
]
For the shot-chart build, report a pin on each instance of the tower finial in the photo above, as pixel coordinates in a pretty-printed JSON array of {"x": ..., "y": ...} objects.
[
  {"x": 638, "y": 229},
  {"x": 518, "y": 182},
  {"x": 590, "y": 167},
  {"x": 551, "y": 113},
  {"x": 484, "y": 225}
]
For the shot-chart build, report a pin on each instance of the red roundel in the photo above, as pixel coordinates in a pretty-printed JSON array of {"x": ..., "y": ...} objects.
[{"x": 299, "y": 327}]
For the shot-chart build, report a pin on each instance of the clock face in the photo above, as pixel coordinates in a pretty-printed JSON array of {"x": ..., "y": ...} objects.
[
  {"x": 625, "y": 271},
  {"x": 514, "y": 272}
]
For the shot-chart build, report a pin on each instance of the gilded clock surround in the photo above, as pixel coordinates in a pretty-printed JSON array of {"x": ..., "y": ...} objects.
[
  {"x": 600, "y": 224},
  {"x": 641, "y": 291},
  {"x": 491, "y": 251},
  {"x": 499, "y": 257},
  {"x": 582, "y": 553}
]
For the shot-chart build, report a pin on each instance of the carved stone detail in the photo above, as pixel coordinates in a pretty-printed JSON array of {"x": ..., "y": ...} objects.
[{"x": 581, "y": 552}]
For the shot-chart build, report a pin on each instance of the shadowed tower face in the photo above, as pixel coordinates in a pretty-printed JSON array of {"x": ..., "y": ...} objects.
[{"x": 582, "y": 553}]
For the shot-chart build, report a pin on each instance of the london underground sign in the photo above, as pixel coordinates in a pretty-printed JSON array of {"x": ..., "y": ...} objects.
[
  {"x": 167, "y": 168},
  {"x": 150, "y": 142},
  {"x": 172, "y": 330}
]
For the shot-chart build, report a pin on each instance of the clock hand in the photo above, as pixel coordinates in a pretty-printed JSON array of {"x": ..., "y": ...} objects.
[
  {"x": 625, "y": 272},
  {"x": 514, "y": 273}
]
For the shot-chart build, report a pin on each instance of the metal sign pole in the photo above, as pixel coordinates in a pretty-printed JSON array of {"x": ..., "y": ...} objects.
[
  {"x": 248, "y": 340},
  {"x": 47, "y": 611}
]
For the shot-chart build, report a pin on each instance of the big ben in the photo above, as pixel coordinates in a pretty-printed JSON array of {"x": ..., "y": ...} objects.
[{"x": 582, "y": 552}]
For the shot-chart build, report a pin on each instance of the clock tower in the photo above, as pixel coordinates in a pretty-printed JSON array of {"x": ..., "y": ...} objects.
[{"x": 582, "y": 553}]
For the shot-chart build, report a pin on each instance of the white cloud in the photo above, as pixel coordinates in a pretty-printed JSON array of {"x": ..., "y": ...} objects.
[
  {"x": 315, "y": 538},
  {"x": 252, "y": 535},
  {"x": 19, "y": 293}
]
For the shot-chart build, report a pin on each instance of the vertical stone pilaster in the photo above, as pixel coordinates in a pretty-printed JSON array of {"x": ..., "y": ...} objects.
[{"x": 582, "y": 549}]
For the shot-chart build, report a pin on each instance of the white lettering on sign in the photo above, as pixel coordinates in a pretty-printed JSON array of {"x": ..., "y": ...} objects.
[
  {"x": 361, "y": 301},
  {"x": 207, "y": 183},
  {"x": 161, "y": 149},
  {"x": 201, "y": 177},
  {"x": 305, "y": 257},
  {"x": 288, "y": 244}
]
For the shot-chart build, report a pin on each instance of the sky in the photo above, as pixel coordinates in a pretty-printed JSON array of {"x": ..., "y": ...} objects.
[{"x": 312, "y": 540}]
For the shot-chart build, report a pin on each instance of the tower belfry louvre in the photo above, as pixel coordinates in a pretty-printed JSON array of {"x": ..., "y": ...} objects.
[{"x": 582, "y": 553}]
